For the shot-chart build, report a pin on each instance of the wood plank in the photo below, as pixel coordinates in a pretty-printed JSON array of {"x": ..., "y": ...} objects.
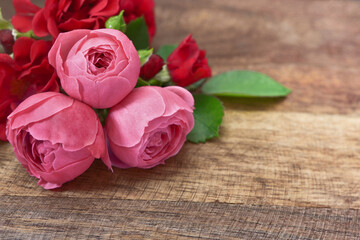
[
  {"x": 92, "y": 218},
  {"x": 312, "y": 47},
  {"x": 263, "y": 158}
]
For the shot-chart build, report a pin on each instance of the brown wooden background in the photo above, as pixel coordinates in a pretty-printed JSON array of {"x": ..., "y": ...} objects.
[{"x": 282, "y": 169}]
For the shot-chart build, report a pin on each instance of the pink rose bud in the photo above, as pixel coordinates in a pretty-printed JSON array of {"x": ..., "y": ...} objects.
[
  {"x": 149, "y": 126},
  {"x": 7, "y": 40},
  {"x": 56, "y": 138},
  {"x": 152, "y": 67},
  {"x": 97, "y": 67}
]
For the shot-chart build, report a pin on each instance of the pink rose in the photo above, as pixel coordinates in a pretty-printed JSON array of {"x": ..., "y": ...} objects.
[
  {"x": 149, "y": 126},
  {"x": 56, "y": 138},
  {"x": 98, "y": 67}
]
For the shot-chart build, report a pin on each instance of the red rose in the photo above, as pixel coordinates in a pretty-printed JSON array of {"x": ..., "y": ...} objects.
[
  {"x": 152, "y": 67},
  {"x": 137, "y": 8},
  {"x": 62, "y": 16},
  {"x": 27, "y": 74},
  {"x": 66, "y": 15},
  {"x": 188, "y": 64}
]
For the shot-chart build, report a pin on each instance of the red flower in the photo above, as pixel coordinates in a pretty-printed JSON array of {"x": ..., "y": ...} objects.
[
  {"x": 152, "y": 67},
  {"x": 29, "y": 73},
  {"x": 66, "y": 15},
  {"x": 137, "y": 8},
  {"x": 188, "y": 64}
]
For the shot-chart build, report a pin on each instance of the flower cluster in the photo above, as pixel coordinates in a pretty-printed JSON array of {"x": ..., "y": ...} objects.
[
  {"x": 79, "y": 80},
  {"x": 56, "y": 136}
]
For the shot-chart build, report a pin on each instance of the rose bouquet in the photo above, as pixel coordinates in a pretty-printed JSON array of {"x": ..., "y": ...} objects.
[{"x": 79, "y": 80}]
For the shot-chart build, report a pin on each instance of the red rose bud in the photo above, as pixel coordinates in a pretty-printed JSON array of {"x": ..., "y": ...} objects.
[
  {"x": 7, "y": 40},
  {"x": 152, "y": 67},
  {"x": 188, "y": 64}
]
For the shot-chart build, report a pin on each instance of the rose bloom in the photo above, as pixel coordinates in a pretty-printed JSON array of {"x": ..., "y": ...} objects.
[
  {"x": 187, "y": 64},
  {"x": 29, "y": 73},
  {"x": 149, "y": 126},
  {"x": 98, "y": 67},
  {"x": 56, "y": 138},
  {"x": 66, "y": 15}
]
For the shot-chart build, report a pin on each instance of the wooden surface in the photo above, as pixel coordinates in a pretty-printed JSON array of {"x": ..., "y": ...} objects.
[{"x": 282, "y": 169}]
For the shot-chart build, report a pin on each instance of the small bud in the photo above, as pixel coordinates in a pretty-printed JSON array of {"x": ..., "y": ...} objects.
[
  {"x": 152, "y": 67},
  {"x": 117, "y": 22},
  {"x": 7, "y": 40}
]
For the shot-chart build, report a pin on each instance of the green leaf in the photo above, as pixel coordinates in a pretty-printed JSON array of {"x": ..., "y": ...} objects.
[
  {"x": 208, "y": 116},
  {"x": 137, "y": 32},
  {"x": 166, "y": 50},
  {"x": 141, "y": 83},
  {"x": 244, "y": 84},
  {"x": 144, "y": 55},
  {"x": 3, "y": 23},
  {"x": 116, "y": 22},
  {"x": 195, "y": 85}
]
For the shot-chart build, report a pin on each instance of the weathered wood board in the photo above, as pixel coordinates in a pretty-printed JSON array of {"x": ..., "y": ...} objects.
[{"x": 282, "y": 168}]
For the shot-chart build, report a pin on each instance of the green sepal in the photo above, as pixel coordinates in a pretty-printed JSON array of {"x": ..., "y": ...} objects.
[
  {"x": 144, "y": 55},
  {"x": 29, "y": 34},
  {"x": 117, "y": 22}
]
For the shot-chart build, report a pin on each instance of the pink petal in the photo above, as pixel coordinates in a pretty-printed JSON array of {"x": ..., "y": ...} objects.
[
  {"x": 57, "y": 178},
  {"x": 82, "y": 131},
  {"x": 38, "y": 107},
  {"x": 133, "y": 119},
  {"x": 183, "y": 93}
]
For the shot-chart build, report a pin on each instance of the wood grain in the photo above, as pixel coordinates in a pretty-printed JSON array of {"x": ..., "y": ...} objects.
[
  {"x": 124, "y": 219},
  {"x": 282, "y": 169},
  {"x": 310, "y": 46}
]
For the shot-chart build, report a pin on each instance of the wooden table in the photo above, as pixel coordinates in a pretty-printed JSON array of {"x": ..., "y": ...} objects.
[{"x": 282, "y": 168}]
